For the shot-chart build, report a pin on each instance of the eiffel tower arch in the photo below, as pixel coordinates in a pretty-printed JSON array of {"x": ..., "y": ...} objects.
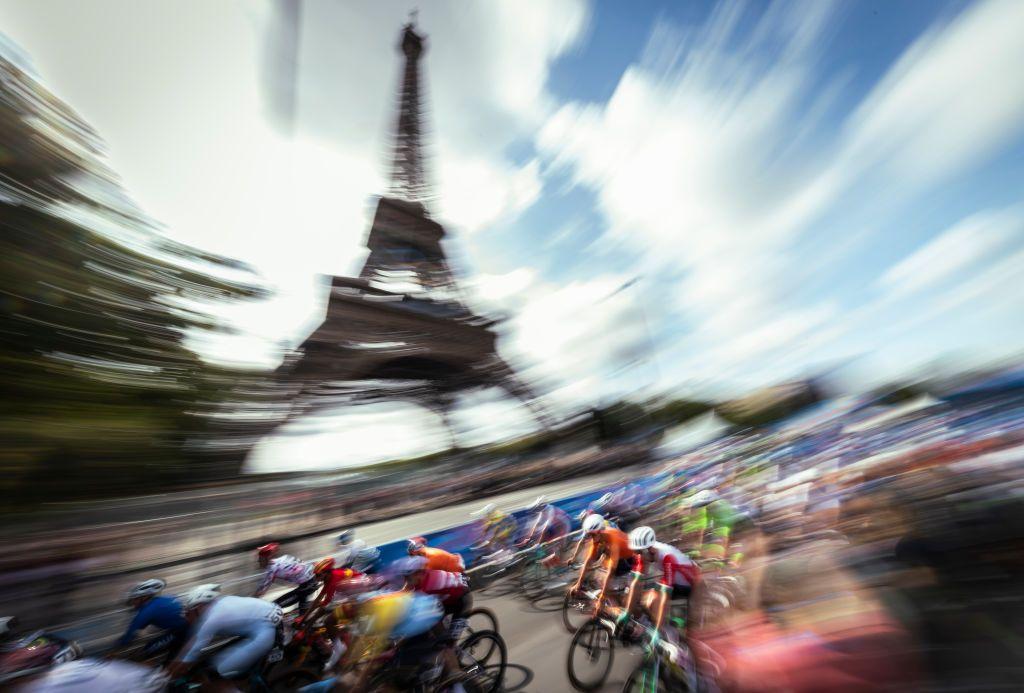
[{"x": 401, "y": 329}]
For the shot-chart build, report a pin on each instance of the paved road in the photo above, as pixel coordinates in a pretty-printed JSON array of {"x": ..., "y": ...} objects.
[{"x": 539, "y": 645}]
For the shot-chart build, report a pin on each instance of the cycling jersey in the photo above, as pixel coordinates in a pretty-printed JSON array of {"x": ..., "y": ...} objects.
[
  {"x": 677, "y": 570},
  {"x": 253, "y": 620},
  {"x": 97, "y": 676},
  {"x": 163, "y": 612},
  {"x": 499, "y": 526},
  {"x": 613, "y": 543},
  {"x": 446, "y": 586},
  {"x": 550, "y": 522},
  {"x": 392, "y": 615},
  {"x": 439, "y": 559},
  {"x": 344, "y": 580},
  {"x": 285, "y": 569}
]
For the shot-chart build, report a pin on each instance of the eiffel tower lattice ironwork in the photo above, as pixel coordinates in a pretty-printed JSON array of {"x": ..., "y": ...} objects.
[{"x": 401, "y": 329}]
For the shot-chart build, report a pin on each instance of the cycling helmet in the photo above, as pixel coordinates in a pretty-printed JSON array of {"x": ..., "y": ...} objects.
[
  {"x": 147, "y": 588},
  {"x": 323, "y": 566},
  {"x": 197, "y": 596},
  {"x": 268, "y": 550},
  {"x": 592, "y": 523},
  {"x": 415, "y": 544},
  {"x": 365, "y": 559},
  {"x": 410, "y": 565},
  {"x": 641, "y": 538},
  {"x": 603, "y": 500},
  {"x": 346, "y": 537},
  {"x": 538, "y": 502}
]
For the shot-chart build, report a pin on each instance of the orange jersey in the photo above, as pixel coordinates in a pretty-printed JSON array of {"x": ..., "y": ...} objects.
[
  {"x": 613, "y": 543},
  {"x": 439, "y": 559}
]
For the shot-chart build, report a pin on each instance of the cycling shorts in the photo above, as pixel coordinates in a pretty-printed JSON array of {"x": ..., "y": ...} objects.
[{"x": 237, "y": 660}]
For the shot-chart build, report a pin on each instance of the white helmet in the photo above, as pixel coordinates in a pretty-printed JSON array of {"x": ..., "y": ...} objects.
[
  {"x": 641, "y": 538},
  {"x": 147, "y": 588},
  {"x": 197, "y": 596},
  {"x": 592, "y": 523},
  {"x": 538, "y": 502},
  {"x": 484, "y": 511}
]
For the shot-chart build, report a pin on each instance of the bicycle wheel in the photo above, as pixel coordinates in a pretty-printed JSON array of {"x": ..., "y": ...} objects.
[
  {"x": 481, "y": 618},
  {"x": 645, "y": 678},
  {"x": 576, "y": 610},
  {"x": 590, "y": 656},
  {"x": 292, "y": 679},
  {"x": 485, "y": 655}
]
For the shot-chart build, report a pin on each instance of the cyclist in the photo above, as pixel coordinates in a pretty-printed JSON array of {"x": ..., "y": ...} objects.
[
  {"x": 678, "y": 572},
  {"x": 453, "y": 592},
  {"x": 152, "y": 609},
  {"x": 346, "y": 580},
  {"x": 708, "y": 525},
  {"x": 391, "y": 615},
  {"x": 216, "y": 616},
  {"x": 498, "y": 528},
  {"x": 285, "y": 569},
  {"x": 549, "y": 524},
  {"x": 611, "y": 543},
  {"x": 437, "y": 559}
]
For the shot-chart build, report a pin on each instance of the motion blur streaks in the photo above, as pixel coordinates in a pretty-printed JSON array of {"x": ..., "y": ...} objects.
[{"x": 101, "y": 393}]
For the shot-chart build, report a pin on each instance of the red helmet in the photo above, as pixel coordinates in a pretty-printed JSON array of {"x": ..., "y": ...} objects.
[
  {"x": 268, "y": 550},
  {"x": 415, "y": 544},
  {"x": 324, "y": 565}
]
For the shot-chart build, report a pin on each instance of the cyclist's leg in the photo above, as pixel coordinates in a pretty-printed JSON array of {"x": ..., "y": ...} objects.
[{"x": 237, "y": 660}]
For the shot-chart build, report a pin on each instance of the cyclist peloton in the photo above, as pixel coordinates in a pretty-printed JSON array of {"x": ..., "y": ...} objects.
[
  {"x": 285, "y": 569},
  {"x": 437, "y": 559},
  {"x": 152, "y": 609},
  {"x": 216, "y": 616}
]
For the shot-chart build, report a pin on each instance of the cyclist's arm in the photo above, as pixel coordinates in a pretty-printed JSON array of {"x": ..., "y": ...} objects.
[
  {"x": 634, "y": 584},
  {"x": 591, "y": 552},
  {"x": 660, "y": 602},
  {"x": 140, "y": 621},
  {"x": 266, "y": 581},
  {"x": 579, "y": 545},
  {"x": 202, "y": 637}
]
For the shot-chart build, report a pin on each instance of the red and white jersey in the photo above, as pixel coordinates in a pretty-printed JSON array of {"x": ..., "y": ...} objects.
[
  {"x": 444, "y": 585},
  {"x": 677, "y": 570}
]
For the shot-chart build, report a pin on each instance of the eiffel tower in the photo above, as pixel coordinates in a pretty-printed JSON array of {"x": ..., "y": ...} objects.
[{"x": 401, "y": 330}]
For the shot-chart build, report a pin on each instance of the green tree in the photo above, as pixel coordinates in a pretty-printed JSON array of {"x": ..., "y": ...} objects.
[{"x": 101, "y": 393}]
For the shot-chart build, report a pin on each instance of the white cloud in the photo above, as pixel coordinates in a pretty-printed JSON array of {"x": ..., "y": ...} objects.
[
  {"x": 708, "y": 156},
  {"x": 968, "y": 242}
]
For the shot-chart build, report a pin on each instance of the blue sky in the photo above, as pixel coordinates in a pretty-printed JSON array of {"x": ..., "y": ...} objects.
[{"x": 780, "y": 187}]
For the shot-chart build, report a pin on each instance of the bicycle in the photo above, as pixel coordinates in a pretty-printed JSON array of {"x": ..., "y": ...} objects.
[
  {"x": 258, "y": 677},
  {"x": 665, "y": 666}
]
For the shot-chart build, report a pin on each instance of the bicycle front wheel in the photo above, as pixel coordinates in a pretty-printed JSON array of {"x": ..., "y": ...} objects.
[
  {"x": 576, "y": 610},
  {"x": 646, "y": 678},
  {"x": 590, "y": 656},
  {"x": 485, "y": 656}
]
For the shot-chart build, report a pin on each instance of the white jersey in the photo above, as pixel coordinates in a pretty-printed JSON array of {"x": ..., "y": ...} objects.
[
  {"x": 232, "y": 616},
  {"x": 286, "y": 569},
  {"x": 97, "y": 676}
]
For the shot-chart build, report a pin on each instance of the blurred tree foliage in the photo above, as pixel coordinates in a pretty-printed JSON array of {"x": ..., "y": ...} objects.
[{"x": 101, "y": 394}]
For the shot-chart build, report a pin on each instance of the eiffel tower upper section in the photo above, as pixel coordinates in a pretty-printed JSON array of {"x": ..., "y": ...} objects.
[
  {"x": 405, "y": 243},
  {"x": 403, "y": 318}
]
